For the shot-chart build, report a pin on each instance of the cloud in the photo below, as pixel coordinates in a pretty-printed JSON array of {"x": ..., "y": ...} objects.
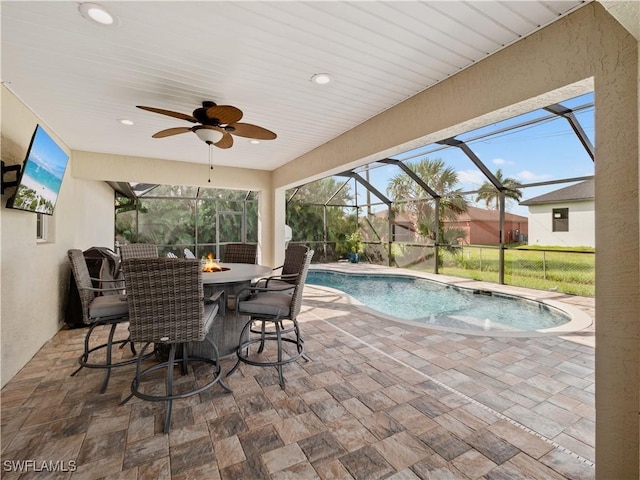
[
  {"x": 474, "y": 178},
  {"x": 502, "y": 161},
  {"x": 530, "y": 176}
]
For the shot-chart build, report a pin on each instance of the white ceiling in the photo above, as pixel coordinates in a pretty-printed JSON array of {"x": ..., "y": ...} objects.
[{"x": 80, "y": 78}]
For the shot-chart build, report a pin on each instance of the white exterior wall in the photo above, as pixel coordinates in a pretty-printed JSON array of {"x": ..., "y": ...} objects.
[
  {"x": 35, "y": 276},
  {"x": 581, "y": 225}
]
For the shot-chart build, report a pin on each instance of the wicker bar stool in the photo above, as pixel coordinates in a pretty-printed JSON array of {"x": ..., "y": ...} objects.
[
  {"x": 100, "y": 306},
  {"x": 273, "y": 307},
  {"x": 239, "y": 253},
  {"x": 294, "y": 257},
  {"x": 138, "y": 250},
  {"x": 167, "y": 307}
]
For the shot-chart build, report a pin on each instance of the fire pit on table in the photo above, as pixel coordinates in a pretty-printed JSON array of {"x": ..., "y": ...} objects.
[{"x": 210, "y": 265}]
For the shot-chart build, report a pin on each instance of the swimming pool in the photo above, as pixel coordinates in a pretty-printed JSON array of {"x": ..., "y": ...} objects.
[{"x": 440, "y": 305}]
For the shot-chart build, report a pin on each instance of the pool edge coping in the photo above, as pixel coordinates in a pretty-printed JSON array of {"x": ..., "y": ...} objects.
[{"x": 580, "y": 320}]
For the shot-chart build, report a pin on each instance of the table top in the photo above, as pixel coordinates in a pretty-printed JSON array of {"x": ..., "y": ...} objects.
[{"x": 238, "y": 272}]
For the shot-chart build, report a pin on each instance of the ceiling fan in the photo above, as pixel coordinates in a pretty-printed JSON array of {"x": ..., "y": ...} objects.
[{"x": 216, "y": 124}]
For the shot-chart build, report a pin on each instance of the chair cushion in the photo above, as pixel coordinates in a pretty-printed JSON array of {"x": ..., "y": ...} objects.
[
  {"x": 109, "y": 306},
  {"x": 266, "y": 304}
]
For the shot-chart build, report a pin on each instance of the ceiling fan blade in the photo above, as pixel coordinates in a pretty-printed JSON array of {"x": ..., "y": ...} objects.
[
  {"x": 171, "y": 131},
  {"x": 252, "y": 131},
  {"x": 224, "y": 113},
  {"x": 225, "y": 142},
  {"x": 181, "y": 116}
]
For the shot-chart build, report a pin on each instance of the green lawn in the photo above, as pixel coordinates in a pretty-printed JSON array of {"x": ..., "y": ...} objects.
[{"x": 569, "y": 271}]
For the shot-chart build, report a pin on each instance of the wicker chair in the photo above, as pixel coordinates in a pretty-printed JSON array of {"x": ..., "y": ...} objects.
[
  {"x": 138, "y": 250},
  {"x": 240, "y": 253},
  {"x": 273, "y": 306},
  {"x": 166, "y": 307},
  {"x": 98, "y": 309},
  {"x": 294, "y": 257}
]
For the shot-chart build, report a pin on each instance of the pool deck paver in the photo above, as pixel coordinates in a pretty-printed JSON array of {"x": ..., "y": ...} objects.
[{"x": 379, "y": 399}]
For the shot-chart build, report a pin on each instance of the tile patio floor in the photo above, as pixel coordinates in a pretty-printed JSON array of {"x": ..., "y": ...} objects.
[{"x": 379, "y": 399}]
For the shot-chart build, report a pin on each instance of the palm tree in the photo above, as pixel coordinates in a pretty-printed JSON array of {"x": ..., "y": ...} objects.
[
  {"x": 442, "y": 180},
  {"x": 490, "y": 195}
]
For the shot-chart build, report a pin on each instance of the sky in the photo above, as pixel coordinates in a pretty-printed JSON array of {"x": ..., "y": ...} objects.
[
  {"x": 47, "y": 154},
  {"x": 545, "y": 151}
]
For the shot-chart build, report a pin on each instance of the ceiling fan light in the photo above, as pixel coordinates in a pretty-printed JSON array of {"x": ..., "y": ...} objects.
[{"x": 209, "y": 135}]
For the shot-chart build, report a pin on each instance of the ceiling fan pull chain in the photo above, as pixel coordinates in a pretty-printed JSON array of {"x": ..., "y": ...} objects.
[{"x": 210, "y": 165}]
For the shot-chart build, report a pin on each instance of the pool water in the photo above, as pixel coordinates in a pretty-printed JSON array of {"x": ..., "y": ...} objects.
[{"x": 438, "y": 304}]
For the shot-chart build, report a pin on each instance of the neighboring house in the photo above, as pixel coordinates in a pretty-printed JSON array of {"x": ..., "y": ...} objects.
[
  {"x": 480, "y": 227},
  {"x": 403, "y": 227},
  {"x": 563, "y": 217}
]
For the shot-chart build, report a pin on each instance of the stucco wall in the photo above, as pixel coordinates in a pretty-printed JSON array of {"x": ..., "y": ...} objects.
[
  {"x": 35, "y": 276},
  {"x": 581, "y": 225}
]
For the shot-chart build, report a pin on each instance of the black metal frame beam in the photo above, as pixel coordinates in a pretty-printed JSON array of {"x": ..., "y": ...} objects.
[
  {"x": 496, "y": 183},
  {"x": 454, "y": 142},
  {"x": 381, "y": 196},
  {"x": 411, "y": 174},
  {"x": 336, "y": 192},
  {"x": 366, "y": 185},
  {"x": 567, "y": 113},
  {"x": 436, "y": 197}
]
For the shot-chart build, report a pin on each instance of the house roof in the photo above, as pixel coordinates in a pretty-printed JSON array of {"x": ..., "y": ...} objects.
[
  {"x": 472, "y": 214},
  {"x": 482, "y": 214},
  {"x": 575, "y": 193}
]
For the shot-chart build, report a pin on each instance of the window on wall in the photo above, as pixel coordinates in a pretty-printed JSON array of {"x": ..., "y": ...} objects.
[{"x": 560, "y": 219}]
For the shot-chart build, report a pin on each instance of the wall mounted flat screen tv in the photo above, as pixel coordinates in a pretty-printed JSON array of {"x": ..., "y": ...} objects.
[{"x": 41, "y": 177}]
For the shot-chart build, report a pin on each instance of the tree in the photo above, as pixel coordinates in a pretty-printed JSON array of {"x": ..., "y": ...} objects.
[
  {"x": 490, "y": 195},
  {"x": 306, "y": 211},
  {"x": 410, "y": 198},
  {"x": 167, "y": 217}
]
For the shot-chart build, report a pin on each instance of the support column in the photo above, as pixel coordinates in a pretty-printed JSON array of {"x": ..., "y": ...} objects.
[
  {"x": 278, "y": 223},
  {"x": 617, "y": 182},
  {"x": 502, "y": 239},
  {"x": 271, "y": 219}
]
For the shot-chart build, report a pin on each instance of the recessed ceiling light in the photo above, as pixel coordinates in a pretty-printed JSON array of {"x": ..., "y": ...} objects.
[
  {"x": 254, "y": 141},
  {"x": 126, "y": 121},
  {"x": 96, "y": 13},
  {"x": 321, "y": 78}
]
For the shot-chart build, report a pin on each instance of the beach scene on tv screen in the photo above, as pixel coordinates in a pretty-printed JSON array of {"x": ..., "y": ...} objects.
[{"x": 42, "y": 176}]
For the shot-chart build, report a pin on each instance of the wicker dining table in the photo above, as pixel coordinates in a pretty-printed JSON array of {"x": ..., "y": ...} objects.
[{"x": 226, "y": 329}]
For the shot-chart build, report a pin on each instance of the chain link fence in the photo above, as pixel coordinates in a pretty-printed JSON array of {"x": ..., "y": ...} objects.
[{"x": 571, "y": 272}]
